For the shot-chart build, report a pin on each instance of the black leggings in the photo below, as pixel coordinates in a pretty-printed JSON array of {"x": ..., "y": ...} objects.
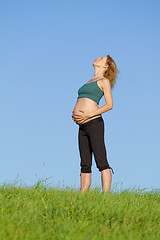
[{"x": 91, "y": 139}]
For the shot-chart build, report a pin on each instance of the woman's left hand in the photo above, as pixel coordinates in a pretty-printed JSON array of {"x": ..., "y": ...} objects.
[{"x": 80, "y": 118}]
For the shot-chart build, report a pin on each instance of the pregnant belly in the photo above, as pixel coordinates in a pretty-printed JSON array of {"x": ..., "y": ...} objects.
[{"x": 86, "y": 104}]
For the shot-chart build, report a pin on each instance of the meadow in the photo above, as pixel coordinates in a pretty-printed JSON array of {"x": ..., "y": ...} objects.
[{"x": 43, "y": 212}]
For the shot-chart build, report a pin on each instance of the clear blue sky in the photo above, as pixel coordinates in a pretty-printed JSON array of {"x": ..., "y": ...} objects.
[{"x": 46, "y": 53}]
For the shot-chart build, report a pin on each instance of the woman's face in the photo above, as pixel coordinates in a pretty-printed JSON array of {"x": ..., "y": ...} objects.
[{"x": 100, "y": 62}]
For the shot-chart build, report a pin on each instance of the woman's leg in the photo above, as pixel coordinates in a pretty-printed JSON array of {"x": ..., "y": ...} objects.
[
  {"x": 96, "y": 135},
  {"x": 85, "y": 181},
  {"x": 106, "y": 177},
  {"x": 86, "y": 159}
]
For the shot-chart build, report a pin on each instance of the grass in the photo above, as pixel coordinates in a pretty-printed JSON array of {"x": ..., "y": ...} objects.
[{"x": 42, "y": 212}]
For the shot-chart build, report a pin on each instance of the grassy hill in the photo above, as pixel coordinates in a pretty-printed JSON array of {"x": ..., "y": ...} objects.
[{"x": 50, "y": 213}]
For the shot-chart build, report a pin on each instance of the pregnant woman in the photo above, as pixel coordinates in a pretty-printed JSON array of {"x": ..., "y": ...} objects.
[{"x": 87, "y": 115}]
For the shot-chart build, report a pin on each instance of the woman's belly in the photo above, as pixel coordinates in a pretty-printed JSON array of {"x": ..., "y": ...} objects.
[{"x": 86, "y": 104}]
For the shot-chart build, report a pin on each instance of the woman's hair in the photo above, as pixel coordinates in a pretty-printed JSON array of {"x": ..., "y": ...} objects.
[{"x": 111, "y": 72}]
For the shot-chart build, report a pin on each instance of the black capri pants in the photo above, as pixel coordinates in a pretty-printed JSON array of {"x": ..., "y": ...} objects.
[{"x": 91, "y": 139}]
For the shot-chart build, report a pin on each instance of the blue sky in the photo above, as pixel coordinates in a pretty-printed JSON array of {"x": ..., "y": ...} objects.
[{"x": 46, "y": 53}]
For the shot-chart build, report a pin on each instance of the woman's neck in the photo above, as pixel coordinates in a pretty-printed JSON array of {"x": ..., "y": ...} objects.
[
  {"x": 98, "y": 73},
  {"x": 95, "y": 77}
]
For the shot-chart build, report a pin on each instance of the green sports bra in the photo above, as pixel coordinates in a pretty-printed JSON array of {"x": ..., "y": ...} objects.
[{"x": 91, "y": 90}]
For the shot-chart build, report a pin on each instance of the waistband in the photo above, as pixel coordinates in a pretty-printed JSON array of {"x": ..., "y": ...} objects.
[{"x": 91, "y": 121}]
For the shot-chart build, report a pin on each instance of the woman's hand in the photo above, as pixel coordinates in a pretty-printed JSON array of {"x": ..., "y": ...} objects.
[{"x": 81, "y": 117}]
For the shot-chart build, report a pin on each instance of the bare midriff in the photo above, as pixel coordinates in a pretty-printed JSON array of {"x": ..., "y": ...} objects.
[{"x": 86, "y": 104}]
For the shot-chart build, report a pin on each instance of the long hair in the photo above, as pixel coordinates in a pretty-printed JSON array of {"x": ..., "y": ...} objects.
[{"x": 111, "y": 72}]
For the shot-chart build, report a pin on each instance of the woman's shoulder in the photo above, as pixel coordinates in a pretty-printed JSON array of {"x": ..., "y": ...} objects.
[
  {"x": 104, "y": 82},
  {"x": 105, "y": 79}
]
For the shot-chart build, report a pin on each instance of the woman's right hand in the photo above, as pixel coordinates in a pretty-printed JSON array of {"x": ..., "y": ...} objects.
[{"x": 74, "y": 118}]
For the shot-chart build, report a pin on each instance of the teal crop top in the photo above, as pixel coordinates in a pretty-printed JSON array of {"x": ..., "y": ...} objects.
[{"x": 91, "y": 90}]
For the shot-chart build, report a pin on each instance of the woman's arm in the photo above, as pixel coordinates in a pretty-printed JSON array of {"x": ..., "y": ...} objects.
[
  {"x": 84, "y": 115},
  {"x": 108, "y": 98},
  {"x": 101, "y": 110}
]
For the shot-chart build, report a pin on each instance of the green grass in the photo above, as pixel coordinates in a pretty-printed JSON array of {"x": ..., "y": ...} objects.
[{"x": 41, "y": 212}]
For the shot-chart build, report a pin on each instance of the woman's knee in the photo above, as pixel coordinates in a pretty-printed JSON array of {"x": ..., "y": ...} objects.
[{"x": 85, "y": 168}]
